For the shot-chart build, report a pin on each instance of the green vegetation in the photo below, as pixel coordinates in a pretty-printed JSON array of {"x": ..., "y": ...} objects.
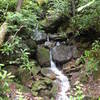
[
  {"x": 9, "y": 46},
  {"x": 5, "y": 78},
  {"x": 92, "y": 58},
  {"x": 72, "y": 22},
  {"x": 25, "y": 61},
  {"x": 78, "y": 92}
]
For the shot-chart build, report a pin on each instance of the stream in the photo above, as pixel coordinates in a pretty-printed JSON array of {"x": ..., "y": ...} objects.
[{"x": 61, "y": 79}]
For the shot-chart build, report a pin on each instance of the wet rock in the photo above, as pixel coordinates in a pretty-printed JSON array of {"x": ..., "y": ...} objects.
[
  {"x": 58, "y": 37},
  {"x": 54, "y": 89},
  {"x": 43, "y": 56},
  {"x": 48, "y": 73},
  {"x": 62, "y": 53},
  {"x": 49, "y": 44},
  {"x": 40, "y": 37}
]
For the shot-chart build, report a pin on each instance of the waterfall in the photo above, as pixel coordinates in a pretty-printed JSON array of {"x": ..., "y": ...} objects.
[{"x": 63, "y": 80}]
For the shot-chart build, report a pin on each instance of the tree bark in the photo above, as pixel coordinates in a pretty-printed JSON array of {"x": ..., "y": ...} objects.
[
  {"x": 3, "y": 30},
  {"x": 19, "y": 4}
]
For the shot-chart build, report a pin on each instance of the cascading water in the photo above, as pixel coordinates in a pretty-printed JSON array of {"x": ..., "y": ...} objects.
[{"x": 63, "y": 80}]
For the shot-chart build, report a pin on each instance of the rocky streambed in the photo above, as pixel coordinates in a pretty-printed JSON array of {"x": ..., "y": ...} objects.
[{"x": 46, "y": 81}]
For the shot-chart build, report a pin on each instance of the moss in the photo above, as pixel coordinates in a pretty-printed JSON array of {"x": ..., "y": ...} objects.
[{"x": 43, "y": 56}]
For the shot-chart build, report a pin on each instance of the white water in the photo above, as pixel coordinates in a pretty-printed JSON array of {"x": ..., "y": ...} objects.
[{"x": 65, "y": 86}]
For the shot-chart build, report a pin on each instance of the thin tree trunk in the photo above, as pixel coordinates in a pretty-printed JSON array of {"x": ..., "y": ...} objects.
[
  {"x": 19, "y": 4},
  {"x": 3, "y": 30}
]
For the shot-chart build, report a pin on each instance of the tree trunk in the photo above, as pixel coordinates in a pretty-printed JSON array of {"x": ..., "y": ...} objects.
[
  {"x": 3, "y": 30},
  {"x": 19, "y": 4}
]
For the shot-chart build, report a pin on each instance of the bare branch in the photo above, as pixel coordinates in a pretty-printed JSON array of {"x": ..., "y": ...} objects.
[{"x": 82, "y": 7}]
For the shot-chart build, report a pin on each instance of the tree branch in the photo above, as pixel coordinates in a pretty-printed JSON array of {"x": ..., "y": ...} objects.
[{"x": 82, "y": 7}]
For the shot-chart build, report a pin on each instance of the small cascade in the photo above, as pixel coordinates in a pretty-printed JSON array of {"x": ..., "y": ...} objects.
[{"x": 62, "y": 79}]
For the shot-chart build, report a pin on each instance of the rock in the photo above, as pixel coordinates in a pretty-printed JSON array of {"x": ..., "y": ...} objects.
[
  {"x": 49, "y": 44},
  {"x": 75, "y": 52},
  {"x": 12, "y": 69},
  {"x": 42, "y": 84},
  {"x": 89, "y": 98},
  {"x": 54, "y": 89},
  {"x": 46, "y": 98},
  {"x": 35, "y": 70},
  {"x": 31, "y": 45},
  {"x": 38, "y": 85},
  {"x": 43, "y": 56},
  {"x": 58, "y": 37},
  {"x": 53, "y": 36},
  {"x": 78, "y": 61},
  {"x": 62, "y": 53},
  {"x": 17, "y": 91},
  {"x": 48, "y": 73},
  {"x": 25, "y": 77},
  {"x": 83, "y": 77},
  {"x": 53, "y": 22},
  {"x": 44, "y": 93},
  {"x": 40, "y": 37}
]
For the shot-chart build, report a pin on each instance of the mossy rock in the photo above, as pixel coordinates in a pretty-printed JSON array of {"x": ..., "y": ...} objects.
[
  {"x": 47, "y": 81},
  {"x": 38, "y": 85},
  {"x": 54, "y": 89},
  {"x": 83, "y": 77},
  {"x": 96, "y": 74},
  {"x": 25, "y": 77},
  {"x": 43, "y": 56},
  {"x": 48, "y": 73}
]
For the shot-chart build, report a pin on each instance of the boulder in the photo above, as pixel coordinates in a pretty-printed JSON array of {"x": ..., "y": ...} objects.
[
  {"x": 43, "y": 56},
  {"x": 48, "y": 73},
  {"x": 49, "y": 44},
  {"x": 31, "y": 45},
  {"x": 58, "y": 37},
  {"x": 25, "y": 77},
  {"x": 62, "y": 53},
  {"x": 75, "y": 52},
  {"x": 40, "y": 37}
]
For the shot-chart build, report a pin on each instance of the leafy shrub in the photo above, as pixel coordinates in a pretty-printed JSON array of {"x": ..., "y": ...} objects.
[
  {"x": 24, "y": 18},
  {"x": 60, "y": 6},
  {"x": 26, "y": 64},
  {"x": 9, "y": 46},
  {"x": 78, "y": 92},
  {"x": 92, "y": 58},
  {"x": 5, "y": 78},
  {"x": 88, "y": 17},
  {"x": 8, "y": 5}
]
